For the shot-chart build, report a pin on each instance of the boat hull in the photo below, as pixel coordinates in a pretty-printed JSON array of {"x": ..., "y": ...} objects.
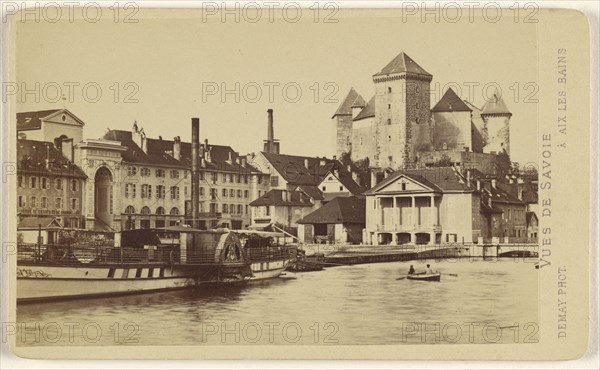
[
  {"x": 268, "y": 270},
  {"x": 38, "y": 283},
  {"x": 425, "y": 277}
]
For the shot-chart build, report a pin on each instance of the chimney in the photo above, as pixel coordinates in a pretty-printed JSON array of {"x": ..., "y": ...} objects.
[
  {"x": 243, "y": 161},
  {"x": 67, "y": 148},
  {"x": 478, "y": 185},
  {"x": 373, "y": 178},
  {"x": 322, "y": 162},
  {"x": 207, "y": 151},
  {"x": 335, "y": 157},
  {"x": 355, "y": 177},
  {"x": 494, "y": 183},
  {"x": 229, "y": 158},
  {"x": 349, "y": 168},
  {"x": 336, "y": 173},
  {"x": 195, "y": 171},
  {"x": 177, "y": 147},
  {"x": 270, "y": 145},
  {"x": 306, "y": 163},
  {"x": 468, "y": 178}
]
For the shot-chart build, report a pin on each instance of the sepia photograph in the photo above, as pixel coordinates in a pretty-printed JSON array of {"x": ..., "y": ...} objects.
[{"x": 242, "y": 175}]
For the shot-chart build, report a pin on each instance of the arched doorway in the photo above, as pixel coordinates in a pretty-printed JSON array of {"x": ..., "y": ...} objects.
[{"x": 103, "y": 196}]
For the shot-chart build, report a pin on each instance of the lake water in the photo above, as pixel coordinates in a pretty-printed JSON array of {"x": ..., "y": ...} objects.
[{"x": 488, "y": 302}]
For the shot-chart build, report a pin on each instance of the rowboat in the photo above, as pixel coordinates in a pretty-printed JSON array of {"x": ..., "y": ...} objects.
[{"x": 425, "y": 277}]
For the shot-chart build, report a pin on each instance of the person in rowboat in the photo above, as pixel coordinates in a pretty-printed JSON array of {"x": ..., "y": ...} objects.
[
  {"x": 428, "y": 270},
  {"x": 411, "y": 270}
]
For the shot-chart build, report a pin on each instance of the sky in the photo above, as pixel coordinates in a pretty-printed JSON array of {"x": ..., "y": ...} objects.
[{"x": 173, "y": 65}]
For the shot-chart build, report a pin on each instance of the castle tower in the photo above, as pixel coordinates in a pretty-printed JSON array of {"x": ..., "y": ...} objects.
[
  {"x": 402, "y": 114},
  {"x": 496, "y": 126},
  {"x": 342, "y": 119}
]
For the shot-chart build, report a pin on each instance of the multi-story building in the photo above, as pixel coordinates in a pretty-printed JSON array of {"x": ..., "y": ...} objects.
[
  {"x": 155, "y": 183},
  {"x": 50, "y": 191}
]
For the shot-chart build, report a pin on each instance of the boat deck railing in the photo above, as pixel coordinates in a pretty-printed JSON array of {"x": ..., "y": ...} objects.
[
  {"x": 166, "y": 254},
  {"x": 101, "y": 254}
]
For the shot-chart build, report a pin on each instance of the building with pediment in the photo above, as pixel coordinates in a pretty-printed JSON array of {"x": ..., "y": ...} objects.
[{"x": 441, "y": 205}]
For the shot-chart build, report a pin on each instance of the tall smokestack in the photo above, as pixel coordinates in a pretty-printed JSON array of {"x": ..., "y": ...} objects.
[
  {"x": 195, "y": 171},
  {"x": 271, "y": 131}
]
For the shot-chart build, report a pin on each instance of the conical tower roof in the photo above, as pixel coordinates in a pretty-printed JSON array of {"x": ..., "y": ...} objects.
[
  {"x": 495, "y": 106},
  {"x": 402, "y": 63},
  {"x": 451, "y": 102},
  {"x": 345, "y": 108}
]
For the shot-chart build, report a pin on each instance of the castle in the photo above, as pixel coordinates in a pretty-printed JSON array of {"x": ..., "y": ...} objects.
[{"x": 398, "y": 129}]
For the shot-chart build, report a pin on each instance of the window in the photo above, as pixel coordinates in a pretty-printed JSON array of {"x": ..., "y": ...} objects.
[
  {"x": 33, "y": 202},
  {"x": 389, "y": 106},
  {"x": 267, "y": 210},
  {"x": 145, "y": 210},
  {"x": 201, "y": 191},
  {"x": 145, "y": 172},
  {"x": 239, "y": 193},
  {"x": 74, "y": 204},
  {"x": 389, "y": 89},
  {"x": 224, "y": 178},
  {"x": 240, "y": 209},
  {"x": 174, "y": 211},
  {"x": 259, "y": 179},
  {"x": 341, "y": 188},
  {"x": 389, "y": 121},
  {"x": 390, "y": 159},
  {"x": 185, "y": 191},
  {"x": 214, "y": 177},
  {"x": 245, "y": 179},
  {"x": 44, "y": 183},
  {"x": 225, "y": 208},
  {"x": 403, "y": 186},
  {"x": 274, "y": 180},
  {"x": 324, "y": 188},
  {"x": 20, "y": 181},
  {"x": 59, "y": 203},
  {"x": 213, "y": 208},
  {"x": 389, "y": 138},
  {"x": 246, "y": 193},
  {"x": 246, "y": 209},
  {"x": 185, "y": 175},
  {"x": 21, "y": 201},
  {"x": 130, "y": 190},
  {"x": 44, "y": 203},
  {"x": 232, "y": 193},
  {"x": 131, "y": 171},
  {"x": 174, "y": 192},
  {"x": 224, "y": 193},
  {"x": 160, "y": 211},
  {"x": 74, "y": 185},
  {"x": 33, "y": 182},
  {"x": 238, "y": 179},
  {"x": 59, "y": 184},
  {"x": 213, "y": 194},
  {"x": 200, "y": 175},
  {"x": 129, "y": 210},
  {"x": 230, "y": 177},
  {"x": 146, "y": 191},
  {"x": 160, "y": 173},
  {"x": 160, "y": 192},
  {"x": 174, "y": 174}
]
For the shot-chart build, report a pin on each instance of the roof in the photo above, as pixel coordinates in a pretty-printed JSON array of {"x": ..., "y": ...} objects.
[
  {"x": 277, "y": 197},
  {"x": 347, "y": 210},
  {"x": 402, "y": 63},
  {"x": 441, "y": 179},
  {"x": 345, "y": 108},
  {"x": 43, "y": 158},
  {"x": 529, "y": 216},
  {"x": 312, "y": 191},
  {"x": 495, "y": 106},
  {"x": 367, "y": 111},
  {"x": 359, "y": 102},
  {"x": 292, "y": 168},
  {"x": 47, "y": 222},
  {"x": 451, "y": 102},
  {"x": 159, "y": 152},
  {"x": 345, "y": 178},
  {"x": 33, "y": 120}
]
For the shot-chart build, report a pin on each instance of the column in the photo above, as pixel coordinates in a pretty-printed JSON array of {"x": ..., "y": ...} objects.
[
  {"x": 414, "y": 211},
  {"x": 432, "y": 212},
  {"x": 394, "y": 213}
]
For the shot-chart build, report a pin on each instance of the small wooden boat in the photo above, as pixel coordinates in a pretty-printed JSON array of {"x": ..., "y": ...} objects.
[{"x": 425, "y": 277}]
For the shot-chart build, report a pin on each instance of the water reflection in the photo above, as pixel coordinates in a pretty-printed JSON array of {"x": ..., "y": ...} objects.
[{"x": 361, "y": 304}]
